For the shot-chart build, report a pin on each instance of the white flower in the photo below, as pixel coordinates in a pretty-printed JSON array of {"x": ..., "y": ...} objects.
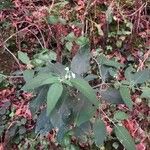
[
  {"x": 73, "y": 75},
  {"x": 67, "y": 69}
]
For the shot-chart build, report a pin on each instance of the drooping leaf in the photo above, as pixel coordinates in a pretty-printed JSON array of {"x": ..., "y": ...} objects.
[
  {"x": 124, "y": 137},
  {"x": 39, "y": 100},
  {"x": 53, "y": 96},
  {"x": 61, "y": 133},
  {"x": 85, "y": 110},
  {"x": 120, "y": 115},
  {"x": 83, "y": 131},
  {"x": 111, "y": 95},
  {"x": 125, "y": 94},
  {"x": 85, "y": 89},
  {"x": 145, "y": 92},
  {"x": 23, "y": 57},
  {"x": 43, "y": 124},
  {"x": 80, "y": 63},
  {"x": 39, "y": 80},
  {"x": 28, "y": 75},
  {"x": 61, "y": 115},
  {"x": 99, "y": 132}
]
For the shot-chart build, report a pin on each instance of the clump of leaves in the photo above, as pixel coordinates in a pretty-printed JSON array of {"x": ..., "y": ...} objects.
[{"x": 68, "y": 103}]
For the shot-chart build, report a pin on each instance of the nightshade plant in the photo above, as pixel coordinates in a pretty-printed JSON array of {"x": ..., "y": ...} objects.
[{"x": 65, "y": 101}]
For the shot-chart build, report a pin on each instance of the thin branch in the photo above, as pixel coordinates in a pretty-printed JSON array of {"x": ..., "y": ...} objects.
[{"x": 15, "y": 58}]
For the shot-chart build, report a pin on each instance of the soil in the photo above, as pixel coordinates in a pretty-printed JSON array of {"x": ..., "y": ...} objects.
[{"x": 6, "y": 62}]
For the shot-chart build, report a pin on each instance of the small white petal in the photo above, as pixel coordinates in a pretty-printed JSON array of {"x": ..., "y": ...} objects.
[
  {"x": 67, "y": 68},
  {"x": 73, "y": 75}
]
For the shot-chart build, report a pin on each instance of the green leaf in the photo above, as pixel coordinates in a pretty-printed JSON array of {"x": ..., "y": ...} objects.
[
  {"x": 28, "y": 75},
  {"x": 23, "y": 57},
  {"x": 145, "y": 92},
  {"x": 2, "y": 77},
  {"x": 82, "y": 41},
  {"x": 39, "y": 100},
  {"x": 83, "y": 131},
  {"x": 112, "y": 63},
  {"x": 69, "y": 45},
  {"x": 138, "y": 77},
  {"x": 43, "y": 124},
  {"x": 125, "y": 94},
  {"x": 80, "y": 62},
  {"x": 53, "y": 96},
  {"x": 85, "y": 89},
  {"x": 70, "y": 37},
  {"x": 120, "y": 115},
  {"x": 141, "y": 76},
  {"x": 124, "y": 137},
  {"x": 111, "y": 95},
  {"x": 85, "y": 110},
  {"x": 99, "y": 132},
  {"x": 39, "y": 80},
  {"x": 128, "y": 73},
  {"x": 53, "y": 19}
]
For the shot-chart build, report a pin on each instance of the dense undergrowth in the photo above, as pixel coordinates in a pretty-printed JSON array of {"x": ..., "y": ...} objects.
[{"x": 74, "y": 74}]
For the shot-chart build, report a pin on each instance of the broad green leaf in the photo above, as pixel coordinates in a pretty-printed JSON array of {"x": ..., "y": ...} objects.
[
  {"x": 99, "y": 132},
  {"x": 120, "y": 115},
  {"x": 39, "y": 80},
  {"x": 138, "y": 77},
  {"x": 83, "y": 131},
  {"x": 43, "y": 124},
  {"x": 39, "y": 100},
  {"x": 111, "y": 95},
  {"x": 23, "y": 57},
  {"x": 69, "y": 45},
  {"x": 80, "y": 62},
  {"x": 82, "y": 41},
  {"x": 51, "y": 80},
  {"x": 53, "y": 96},
  {"x": 125, "y": 94},
  {"x": 111, "y": 63},
  {"x": 85, "y": 110},
  {"x": 145, "y": 92},
  {"x": 141, "y": 76},
  {"x": 124, "y": 137},
  {"x": 28, "y": 75},
  {"x": 61, "y": 133},
  {"x": 85, "y": 89}
]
